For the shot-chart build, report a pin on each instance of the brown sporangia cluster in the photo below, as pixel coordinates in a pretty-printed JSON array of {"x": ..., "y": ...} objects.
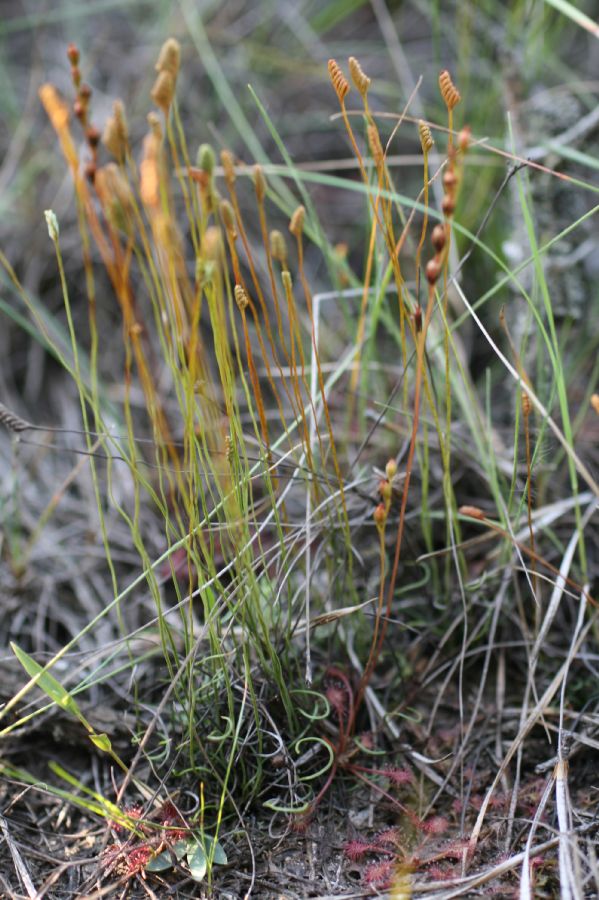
[{"x": 81, "y": 110}]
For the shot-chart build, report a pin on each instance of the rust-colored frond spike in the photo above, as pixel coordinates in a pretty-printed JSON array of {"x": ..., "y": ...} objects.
[
  {"x": 73, "y": 54},
  {"x": 116, "y": 137},
  {"x": 228, "y": 164},
  {"x": 259, "y": 183},
  {"x": 433, "y": 270},
  {"x": 149, "y": 171},
  {"x": 426, "y": 138},
  {"x": 449, "y": 91},
  {"x": 595, "y": 403},
  {"x": 169, "y": 57},
  {"x": 241, "y": 298},
  {"x": 438, "y": 238},
  {"x": 296, "y": 225},
  {"x": 228, "y": 217},
  {"x": 473, "y": 512},
  {"x": 155, "y": 126},
  {"x": 359, "y": 78},
  {"x": 164, "y": 90},
  {"x": 374, "y": 142},
  {"x": 278, "y": 248},
  {"x": 115, "y": 194},
  {"x": 212, "y": 244},
  {"x": 206, "y": 159},
  {"x": 526, "y": 404},
  {"x": 338, "y": 79}
]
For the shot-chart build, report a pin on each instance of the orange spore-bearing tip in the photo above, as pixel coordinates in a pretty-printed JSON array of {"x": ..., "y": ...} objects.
[
  {"x": 296, "y": 224},
  {"x": 163, "y": 91},
  {"x": 449, "y": 91},
  {"x": 278, "y": 247},
  {"x": 338, "y": 79},
  {"x": 473, "y": 512},
  {"x": 358, "y": 76},
  {"x": 241, "y": 298},
  {"x": 374, "y": 142},
  {"x": 259, "y": 182},
  {"x": 426, "y": 138},
  {"x": 391, "y": 469},
  {"x": 433, "y": 270},
  {"x": 380, "y": 515},
  {"x": 438, "y": 237},
  {"x": 228, "y": 164}
]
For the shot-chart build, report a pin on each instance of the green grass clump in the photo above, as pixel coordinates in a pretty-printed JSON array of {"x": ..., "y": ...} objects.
[{"x": 301, "y": 475}]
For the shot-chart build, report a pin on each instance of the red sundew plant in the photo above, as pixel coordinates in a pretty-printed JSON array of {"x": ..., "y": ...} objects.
[
  {"x": 160, "y": 842},
  {"x": 393, "y": 855}
]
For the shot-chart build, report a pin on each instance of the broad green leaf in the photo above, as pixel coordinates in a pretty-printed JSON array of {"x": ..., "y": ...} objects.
[
  {"x": 206, "y": 844},
  {"x": 197, "y": 862},
  {"x": 46, "y": 682},
  {"x": 160, "y": 863},
  {"x": 181, "y": 848}
]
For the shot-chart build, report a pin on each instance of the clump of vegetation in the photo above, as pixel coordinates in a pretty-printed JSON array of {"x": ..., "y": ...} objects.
[{"x": 321, "y": 592}]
